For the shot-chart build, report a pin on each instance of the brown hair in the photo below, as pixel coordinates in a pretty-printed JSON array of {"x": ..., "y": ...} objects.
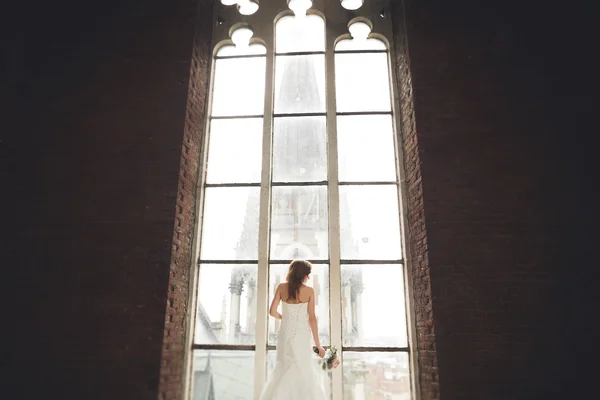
[{"x": 299, "y": 269}]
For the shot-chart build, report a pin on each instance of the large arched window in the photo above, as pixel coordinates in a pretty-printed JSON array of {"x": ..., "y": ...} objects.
[{"x": 301, "y": 163}]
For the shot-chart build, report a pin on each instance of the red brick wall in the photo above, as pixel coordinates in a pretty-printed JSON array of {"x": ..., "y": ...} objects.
[
  {"x": 172, "y": 373},
  {"x": 416, "y": 230}
]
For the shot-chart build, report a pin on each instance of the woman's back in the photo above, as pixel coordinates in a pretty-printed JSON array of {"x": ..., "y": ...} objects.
[
  {"x": 303, "y": 295},
  {"x": 294, "y": 324}
]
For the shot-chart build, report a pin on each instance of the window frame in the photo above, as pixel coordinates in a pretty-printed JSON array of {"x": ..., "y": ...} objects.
[{"x": 263, "y": 24}]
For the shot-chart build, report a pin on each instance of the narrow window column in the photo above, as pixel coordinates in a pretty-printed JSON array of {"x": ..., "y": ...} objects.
[
  {"x": 262, "y": 280},
  {"x": 334, "y": 211}
]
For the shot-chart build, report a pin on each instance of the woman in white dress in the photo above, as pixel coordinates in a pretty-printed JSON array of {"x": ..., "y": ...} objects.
[{"x": 294, "y": 376}]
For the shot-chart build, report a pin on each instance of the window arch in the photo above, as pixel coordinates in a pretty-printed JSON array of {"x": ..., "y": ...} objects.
[{"x": 301, "y": 163}]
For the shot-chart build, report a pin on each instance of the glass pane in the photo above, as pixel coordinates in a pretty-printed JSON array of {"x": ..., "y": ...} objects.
[
  {"x": 366, "y": 148},
  {"x": 234, "y": 151},
  {"x": 227, "y": 304},
  {"x": 229, "y": 51},
  {"x": 299, "y": 149},
  {"x": 239, "y": 87},
  {"x": 368, "y": 290},
  {"x": 230, "y": 223},
  {"x": 299, "y": 223},
  {"x": 323, "y": 377},
  {"x": 375, "y": 376},
  {"x": 362, "y": 82},
  {"x": 223, "y": 375},
  {"x": 319, "y": 280},
  {"x": 300, "y": 84},
  {"x": 300, "y": 34},
  {"x": 352, "y": 44},
  {"x": 369, "y": 222}
]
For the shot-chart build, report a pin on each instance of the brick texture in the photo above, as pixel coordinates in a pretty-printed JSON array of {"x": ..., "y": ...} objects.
[
  {"x": 416, "y": 230},
  {"x": 172, "y": 372}
]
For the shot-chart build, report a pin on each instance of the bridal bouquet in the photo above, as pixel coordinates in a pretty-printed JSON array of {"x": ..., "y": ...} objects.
[{"x": 330, "y": 359}]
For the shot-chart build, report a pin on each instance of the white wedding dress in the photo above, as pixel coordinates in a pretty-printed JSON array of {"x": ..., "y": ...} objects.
[{"x": 295, "y": 375}]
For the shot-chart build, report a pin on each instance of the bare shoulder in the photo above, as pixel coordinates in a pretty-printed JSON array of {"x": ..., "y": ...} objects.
[
  {"x": 309, "y": 291},
  {"x": 282, "y": 287}
]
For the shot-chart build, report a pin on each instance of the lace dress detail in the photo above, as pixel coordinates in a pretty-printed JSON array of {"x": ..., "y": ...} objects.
[{"x": 294, "y": 376}]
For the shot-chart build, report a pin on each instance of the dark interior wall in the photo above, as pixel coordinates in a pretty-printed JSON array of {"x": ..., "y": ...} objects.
[
  {"x": 102, "y": 90},
  {"x": 97, "y": 103},
  {"x": 499, "y": 107}
]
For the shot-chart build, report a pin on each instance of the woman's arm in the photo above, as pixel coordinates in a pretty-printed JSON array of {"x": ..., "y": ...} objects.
[
  {"x": 312, "y": 320},
  {"x": 275, "y": 303}
]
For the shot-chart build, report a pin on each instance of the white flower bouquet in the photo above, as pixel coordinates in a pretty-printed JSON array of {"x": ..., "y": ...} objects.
[{"x": 330, "y": 360}]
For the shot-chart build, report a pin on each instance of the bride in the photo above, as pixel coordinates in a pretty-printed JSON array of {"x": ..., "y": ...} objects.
[{"x": 294, "y": 376}]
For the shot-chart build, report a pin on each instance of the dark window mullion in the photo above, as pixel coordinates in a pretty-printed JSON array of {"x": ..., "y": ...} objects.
[
  {"x": 369, "y": 262},
  {"x": 217, "y": 185},
  {"x": 363, "y": 349},
  {"x": 352, "y": 113},
  {"x": 317, "y": 183},
  {"x": 246, "y": 347},
  {"x": 251, "y": 262},
  {"x": 368, "y": 183},
  {"x": 236, "y": 116},
  {"x": 297, "y": 115}
]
